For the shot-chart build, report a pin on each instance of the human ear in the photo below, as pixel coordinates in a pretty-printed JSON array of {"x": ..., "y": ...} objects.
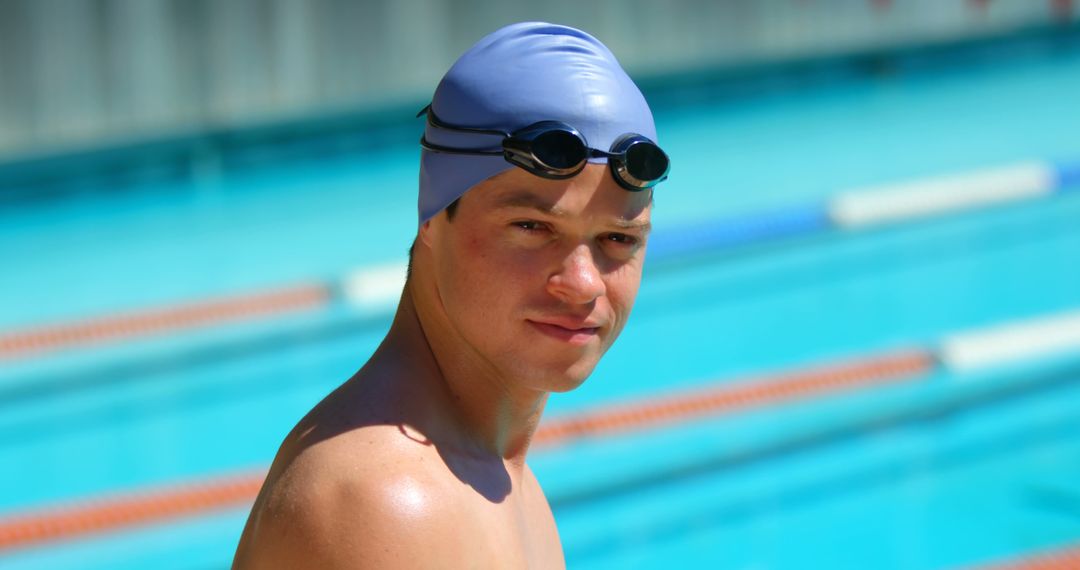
[{"x": 426, "y": 232}]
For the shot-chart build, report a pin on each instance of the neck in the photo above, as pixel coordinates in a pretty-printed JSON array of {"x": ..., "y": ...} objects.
[{"x": 479, "y": 407}]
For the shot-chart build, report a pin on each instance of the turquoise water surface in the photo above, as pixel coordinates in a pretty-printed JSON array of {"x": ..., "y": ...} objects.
[{"x": 953, "y": 477}]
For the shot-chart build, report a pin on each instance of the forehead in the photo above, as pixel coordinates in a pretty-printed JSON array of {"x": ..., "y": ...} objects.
[{"x": 591, "y": 194}]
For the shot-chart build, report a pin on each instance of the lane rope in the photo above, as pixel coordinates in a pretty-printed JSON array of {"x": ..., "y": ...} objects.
[
  {"x": 130, "y": 509},
  {"x": 63, "y": 522},
  {"x": 1064, "y": 559},
  {"x": 729, "y": 397},
  {"x": 159, "y": 321}
]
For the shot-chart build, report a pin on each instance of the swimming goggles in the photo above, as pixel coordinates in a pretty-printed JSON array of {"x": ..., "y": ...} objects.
[{"x": 553, "y": 149}]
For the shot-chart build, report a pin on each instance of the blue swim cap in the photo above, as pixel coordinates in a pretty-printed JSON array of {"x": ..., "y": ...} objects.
[{"x": 519, "y": 75}]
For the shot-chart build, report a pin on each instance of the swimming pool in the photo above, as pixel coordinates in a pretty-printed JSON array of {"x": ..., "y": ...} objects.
[{"x": 942, "y": 469}]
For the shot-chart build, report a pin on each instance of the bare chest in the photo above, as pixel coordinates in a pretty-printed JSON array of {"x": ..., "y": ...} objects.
[{"x": 518, "y": 532}]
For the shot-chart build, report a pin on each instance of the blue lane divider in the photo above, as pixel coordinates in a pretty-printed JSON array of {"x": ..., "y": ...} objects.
[
  {"x": 739, "y": 230},
  {"x": 1068, "y": 176}
]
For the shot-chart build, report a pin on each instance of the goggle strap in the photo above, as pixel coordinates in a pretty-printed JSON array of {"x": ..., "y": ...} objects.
[
  {"x": 519, "y": 151},
  {"x": 451, "y": 150}
]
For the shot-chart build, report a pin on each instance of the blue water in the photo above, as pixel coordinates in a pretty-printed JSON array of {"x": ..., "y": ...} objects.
[{"x": 95, "y": 421}]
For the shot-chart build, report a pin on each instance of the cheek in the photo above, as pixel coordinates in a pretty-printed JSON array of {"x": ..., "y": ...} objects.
[
  {"x": 622, "y": 289},
  {"x": 499, "y": 264},
  {"x": 480, "y": 279},
  {"x": 468, "y": 270}
]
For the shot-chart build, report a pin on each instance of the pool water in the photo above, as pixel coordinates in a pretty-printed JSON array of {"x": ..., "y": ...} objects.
[{"x": 951, "y": 477}]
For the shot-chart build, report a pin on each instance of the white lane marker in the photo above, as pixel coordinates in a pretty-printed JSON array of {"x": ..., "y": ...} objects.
[
  {"x": 374, "y": 288},
  {"x": 1024, "y": 340},
  {"x": 901, "y": 201}
]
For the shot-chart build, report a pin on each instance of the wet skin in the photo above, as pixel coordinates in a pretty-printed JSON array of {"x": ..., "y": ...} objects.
[{"x": 418, "y": 461}]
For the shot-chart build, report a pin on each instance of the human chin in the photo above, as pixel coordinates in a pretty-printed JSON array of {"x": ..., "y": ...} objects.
[
  {"x": 560, "y": 380},
  {"x": 555, "y": 374},
  {"x": 576, "y": 375}
]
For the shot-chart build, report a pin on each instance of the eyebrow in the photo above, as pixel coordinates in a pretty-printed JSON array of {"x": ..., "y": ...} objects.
[
  {"x": 625, "y": 224},
  {"x": 531, "y": 201}
]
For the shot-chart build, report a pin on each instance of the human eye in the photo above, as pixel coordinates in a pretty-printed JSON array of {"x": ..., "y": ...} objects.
[
  {"x": 530, "y": 226},
  {"x": 621, "y": 239}
]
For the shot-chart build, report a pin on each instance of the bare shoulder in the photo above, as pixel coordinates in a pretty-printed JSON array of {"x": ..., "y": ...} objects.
[{"x": 369, "y": 497}]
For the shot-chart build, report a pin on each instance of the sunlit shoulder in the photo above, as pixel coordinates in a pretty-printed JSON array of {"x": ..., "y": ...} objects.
[{"x": 364, "y": 499}]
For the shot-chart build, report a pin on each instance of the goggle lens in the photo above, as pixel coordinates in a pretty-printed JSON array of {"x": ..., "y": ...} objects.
[
  {"x": 645, "y": 161},
  {"x": 559, "y": 149}
]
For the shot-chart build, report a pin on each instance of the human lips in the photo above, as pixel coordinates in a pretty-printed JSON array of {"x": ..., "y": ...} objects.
[{"x": 568, "y": 329}]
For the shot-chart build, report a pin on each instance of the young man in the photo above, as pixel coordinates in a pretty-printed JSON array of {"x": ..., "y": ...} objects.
[{"x": 535, "y": 195}]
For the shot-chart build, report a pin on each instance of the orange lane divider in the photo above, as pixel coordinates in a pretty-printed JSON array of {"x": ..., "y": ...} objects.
[
  {"x": 898, "y": 367},
  {"x": 172, "y": 502},
  {"x": 127, "y": 510},
  {"x": 1066, "y": 559},
  {"x": 17, "y": 344}
]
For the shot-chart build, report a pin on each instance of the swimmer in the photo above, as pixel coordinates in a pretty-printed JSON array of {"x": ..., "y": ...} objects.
[{"x": 537, "y": 169}]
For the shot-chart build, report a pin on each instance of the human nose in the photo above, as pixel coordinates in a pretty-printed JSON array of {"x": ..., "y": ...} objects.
[{"x": 577, "y": 281}]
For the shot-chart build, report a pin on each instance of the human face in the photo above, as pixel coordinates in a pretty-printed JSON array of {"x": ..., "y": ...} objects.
[{"x": 537, "y": 277}]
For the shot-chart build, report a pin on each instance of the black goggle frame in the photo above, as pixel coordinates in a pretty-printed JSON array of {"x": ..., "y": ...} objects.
[{"x": 555, "y": 150}]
